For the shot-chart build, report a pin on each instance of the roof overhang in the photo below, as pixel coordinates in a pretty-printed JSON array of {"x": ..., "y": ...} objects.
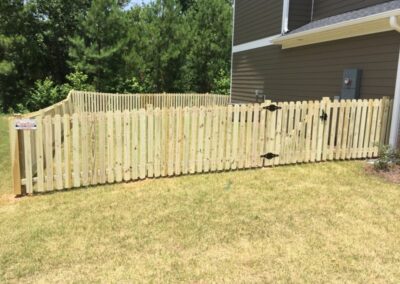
[{"x": 356, "y": 27}]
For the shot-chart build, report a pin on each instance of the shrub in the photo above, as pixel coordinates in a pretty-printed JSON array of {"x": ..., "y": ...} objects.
[
  {"x": 45, "y": 93},
  {"x": 222, "y": 84},
  {"x": 387, "y": 156}
]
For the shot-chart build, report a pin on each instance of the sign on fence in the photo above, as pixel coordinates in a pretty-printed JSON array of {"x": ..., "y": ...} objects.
[{"x": 25, "y": 124}]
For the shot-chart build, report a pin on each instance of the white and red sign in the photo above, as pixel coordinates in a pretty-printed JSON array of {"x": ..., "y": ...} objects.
[{"x": 25, "y": 124}]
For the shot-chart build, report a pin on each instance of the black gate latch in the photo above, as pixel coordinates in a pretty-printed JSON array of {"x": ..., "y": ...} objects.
[
  {"x": 324, "y": 116},
  {"x": 269, "y": 156},
  {"x": 272, "y": 107}
]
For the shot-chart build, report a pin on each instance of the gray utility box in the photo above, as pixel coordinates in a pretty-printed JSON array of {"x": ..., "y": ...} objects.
[{"x": 351, "y": 84}]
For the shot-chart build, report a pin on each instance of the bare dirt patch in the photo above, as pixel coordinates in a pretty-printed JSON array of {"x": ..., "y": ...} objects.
[{"x": 391, "y": 175}]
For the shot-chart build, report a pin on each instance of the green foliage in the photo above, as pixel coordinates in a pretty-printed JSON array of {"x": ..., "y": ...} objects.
[
  {"x": 387, "y": 157},
  {"x": 163, "y": 46},
  {"x": 222, "y": 83},
  {"x": 210, "y": 44},
  {"x": 76, "y": 81},
  {"x": 98, "y": 50},
  {"x": 46, "y": 92}
]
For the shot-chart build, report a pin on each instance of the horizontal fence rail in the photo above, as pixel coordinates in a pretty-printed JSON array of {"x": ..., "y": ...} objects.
[{"x": 90, "y": 148}]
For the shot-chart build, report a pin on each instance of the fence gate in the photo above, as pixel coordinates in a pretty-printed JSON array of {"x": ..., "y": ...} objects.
[{"x": 314, "y": 131}]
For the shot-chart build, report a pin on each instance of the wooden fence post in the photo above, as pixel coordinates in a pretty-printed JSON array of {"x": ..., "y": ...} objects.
[{"x": 15, "y": 156}]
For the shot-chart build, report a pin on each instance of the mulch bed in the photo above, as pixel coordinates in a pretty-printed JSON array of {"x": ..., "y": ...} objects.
[{"x": 392, "y": 175}]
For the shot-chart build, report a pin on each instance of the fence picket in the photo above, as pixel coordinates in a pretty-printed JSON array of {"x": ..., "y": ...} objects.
[
  {"x": 58, "y": 152},
  {"x": 193, "y": 140},
  {"x": 49, "y": 153},
  {"x": 200, "y": 140},
  {"x": 40, "y": 154},
  {"x": 157, "y": 142},
  {"x": 127, "y": 146},
  {"x": 102, "y": 147},
  {"x": 248, "y": 137}
]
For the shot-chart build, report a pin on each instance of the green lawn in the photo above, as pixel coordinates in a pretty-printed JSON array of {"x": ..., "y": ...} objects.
[{"x": 311, "y": 223}]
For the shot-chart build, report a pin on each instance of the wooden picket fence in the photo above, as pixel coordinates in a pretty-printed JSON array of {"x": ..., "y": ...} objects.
[
  {"x": 81, "y": 148},
  {"x": 97, "y": 102}
]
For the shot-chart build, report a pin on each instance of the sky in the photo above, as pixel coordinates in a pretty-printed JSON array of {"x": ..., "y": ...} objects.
[{"x": 136, "y": 2}]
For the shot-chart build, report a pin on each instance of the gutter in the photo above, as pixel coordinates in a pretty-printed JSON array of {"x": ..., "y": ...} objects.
[{"x": 392, "y": 13}]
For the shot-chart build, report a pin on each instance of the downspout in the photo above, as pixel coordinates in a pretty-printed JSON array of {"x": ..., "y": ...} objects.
[
  {"x": 395, "y": 124},
  {"x": 285, "y": 16}
]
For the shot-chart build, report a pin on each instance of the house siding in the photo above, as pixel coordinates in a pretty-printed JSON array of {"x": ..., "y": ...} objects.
[
  {"x": 256, "y": 19},
  {"x": 315, "y": 71},
  {"x": 299, "y": 13},
  {"x": 327, "y": 8}
]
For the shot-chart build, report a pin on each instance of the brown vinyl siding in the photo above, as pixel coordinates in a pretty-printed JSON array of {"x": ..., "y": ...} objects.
[
  {"x": 327, "y": 8},
  {"x": 299, "y": 13},
  {"x": 315, "y": 71},
  {"x": 256, "y": 19}
]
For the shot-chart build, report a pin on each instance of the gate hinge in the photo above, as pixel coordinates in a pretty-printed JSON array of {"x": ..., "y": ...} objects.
[
  {"x": 324, "y": 116},
  {"x": 272, "y": 107},
  {"x": 269, "y": 156}
]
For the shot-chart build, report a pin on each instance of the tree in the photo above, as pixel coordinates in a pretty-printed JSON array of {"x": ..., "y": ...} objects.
[
  {"x": 59, "y": 20},
  {"x": 21, "y": 52},
  {"x": 98, "y": 49},
  {"x": 160, "y": 47},
  {"x": 210, "y": 48}
]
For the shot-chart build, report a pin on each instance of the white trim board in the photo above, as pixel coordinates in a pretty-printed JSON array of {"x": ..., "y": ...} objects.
[{"x": 255, "y": 44}]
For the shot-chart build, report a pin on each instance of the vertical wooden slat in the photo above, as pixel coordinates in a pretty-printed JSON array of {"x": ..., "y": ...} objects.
[
  {"x": 261, "y": 135},
  {"x": 150, "y": 141},
  {"x": 364, "y": 106},
  {"x": 350, "y": 135},
  {"x": 110, "y": 147},
  {"x": 193, "y": 140},
  {"x": 200, "y": 140},
  {"x": 49, "y": 153},
  {"x": 248, "y": 136},
  {"x": 143, "y": 144},
  {"x": 40, "y": 154},
  {"x": 235, "y": 138},
  {"x": 359, "y": 108},
  {"x": 67, "y": 150},
  {"x": 345, "y": 131},
  {"x": 28, "y": 161},
  {"x": 186, "y": 140},
  {"x": 171, "y": 141},
  {"x": 127, "y": 145},
  {"x": 254, "y": 139},
  {"x": 76, "y": 150},
  {"x": 118, "y": 142},
  {"x": 242, "y": 137},
  {"x": 207, "y": 139},
  {"x": 229, "y": 137},
  {"x": 379, "y": 107},
  {"x": 157, "y": 142},
  {"x": 214, "y": 138},
  {"x": 178, "y": 140},
  {"x": 333, "y": 130},
  {"x": 321, "y": 126},
  {"x": 221, "y": 138},
  {"x": 135, "y": 145},
  {"x": 58, "y": 152},
  {"x": 85, "y": 149},
  {"x": 327, "y": 124},
  {"x": 276, "y": 129},
  {"x": 102, "y": 146}
]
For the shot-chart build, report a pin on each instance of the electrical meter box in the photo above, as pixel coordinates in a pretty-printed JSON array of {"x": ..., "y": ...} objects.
[{"x": 351, "y": 84}]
